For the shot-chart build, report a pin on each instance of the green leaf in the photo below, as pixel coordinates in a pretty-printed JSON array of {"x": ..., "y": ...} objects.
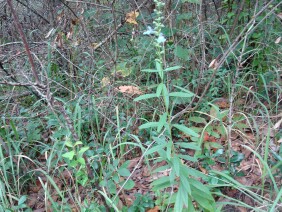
[
  {"x": 156, "y": 148},
  {"x": 186, "y": 130},
  {"x": 69, "y": 155},
  {"x": 159, "y": 89},
  {"x": 22, "y": 200},
  {"x": 149, "y": 125},
  {"x": 182, "y": 53},
  {"x": 176, "y": 163},
  {"x": 124, "y": 172},
  {"x": 185, "y": 183},
  {"x": 181, "y": 94},
  {"x": 178, "y": 206},
  {"x": 145, "y": 96},
  {"x": 128, "y": 185},
  {"x": 215, "y": 145},
  {"x": 198, "y": 120},
  {"x": 159, "y": 66},
  {"x": 196, "y": 185},
  {"x": 160, "y": 181},
  {"x": 191, "y": 145},
  {"x": 81, "y": 161},
  {"x": 168, "y": 149},
  {"x": 188, "y": 157},
  {"x": 238, "y": 157},
  {"x": 166, "y": 97},
  {"x": 82, "y": 150},
  {"x": 162, "y": 122},
  {"x": 68, "y": 143},
  {"x": 77, "y": 143},
  {"x": 173, "y": 68}
]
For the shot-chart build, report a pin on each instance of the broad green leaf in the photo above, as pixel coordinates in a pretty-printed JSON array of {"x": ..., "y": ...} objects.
[
  {"x": 176, "y": 163},
  {"x": 186, "y": 130},
  {"x": 69, "y": 155},
  {"x": 178, "y": 206},
  {"x": 150, "y": 70},
  {"x": 83, "y": 149},
  {"x": 149, "y": 125},
  {"x": 162, "y": 122},
  {"x": 202, "y": 200},
  {"x": 196, "y": 185},
  {"x": 124, "y": 172},
  {"x": 188, "y": 157},
  {"x": 172, "y": 68},
  {"x": 145, "y": 96},
  {"x": 168, "y": 149},
  {"x": 198, "y": 120},
  {"x": 159, "y": 66},
  {"x": 191, "y": 145},
  {"x": 22, "y": 200},
  {"x": 238, "y": 157},
  {"x": 160, "y": 181},
  {"x": 184, "y": 192},
  {"x": 81, "y": 161},
  {"x": 68, "y": 143},
  {"x": 185, "y": 183},
  {"x": 181, "y": 94},
  {"x": 112, "y": 186}
]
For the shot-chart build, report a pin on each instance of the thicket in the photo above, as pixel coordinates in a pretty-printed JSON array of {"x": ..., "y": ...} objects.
[{"x": 140, "y": 105}]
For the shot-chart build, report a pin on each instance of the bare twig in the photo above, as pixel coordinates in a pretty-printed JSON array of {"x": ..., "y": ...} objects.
[
  {"x": 34, "y": 11},
  {"x": 245, "y": 32},
  {"x": 19, "y": 27}
]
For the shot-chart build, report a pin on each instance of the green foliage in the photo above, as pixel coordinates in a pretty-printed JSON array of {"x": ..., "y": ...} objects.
[
  {"x": 141, "y": 203},
  {"x": 85, "y": 155}
]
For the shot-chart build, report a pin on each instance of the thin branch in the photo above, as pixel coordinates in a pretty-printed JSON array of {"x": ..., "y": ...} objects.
[
  {"x": 34, "y": 11},
  {"x": 246, "y": 31},
  {"x": 20, "y": 30}
]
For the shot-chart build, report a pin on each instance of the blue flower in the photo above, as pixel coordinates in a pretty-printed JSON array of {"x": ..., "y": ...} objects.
[
  {"x": 161, "y": 38},
  {"x": 149, "y": 31}
]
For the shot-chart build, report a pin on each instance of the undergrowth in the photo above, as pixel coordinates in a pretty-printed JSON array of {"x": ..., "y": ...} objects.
[{"x": 166, "y": 110}]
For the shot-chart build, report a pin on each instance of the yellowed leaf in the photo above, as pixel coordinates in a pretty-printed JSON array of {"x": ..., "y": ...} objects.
[
  {"x": 94, "y": 45},
  {"x": 131, "y": 17},
  {"x": 105, "y": 81},
  {"x": 129, "y": 89}
]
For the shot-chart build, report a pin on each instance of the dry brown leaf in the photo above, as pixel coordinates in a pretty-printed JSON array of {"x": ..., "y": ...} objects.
[
  {"x": 279, "y": 15},
  {"x": 131, "y": 17},
  {"x": 222, "y": 103},
  {"x": 129, "y": 89}
]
